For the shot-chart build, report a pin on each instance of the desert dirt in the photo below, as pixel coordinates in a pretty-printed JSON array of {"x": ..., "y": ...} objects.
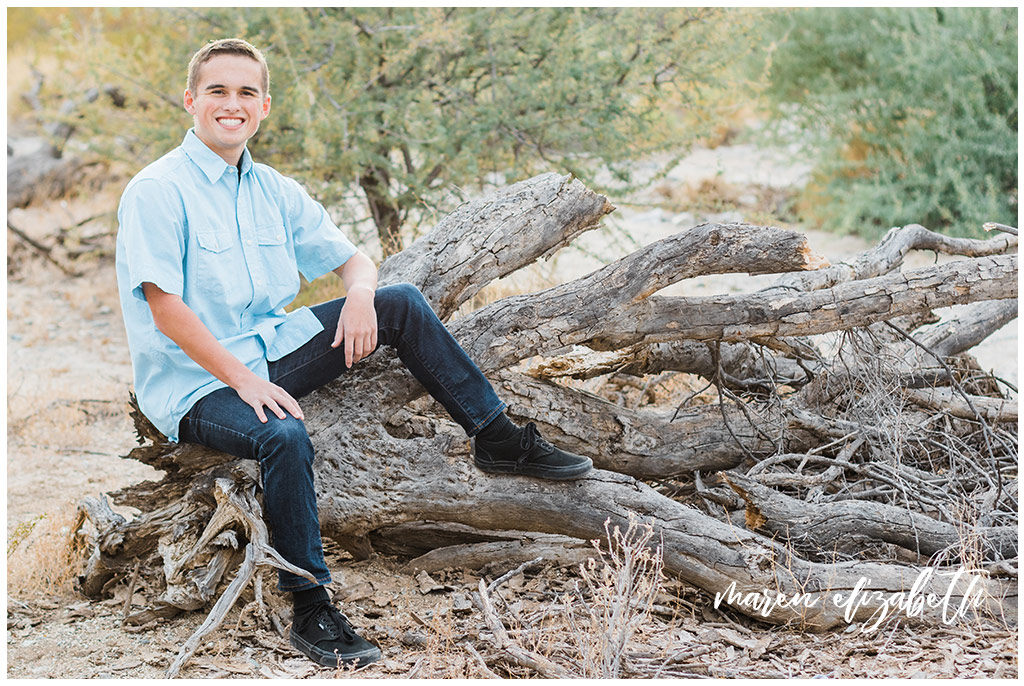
[{"x": 68, "y": 378}]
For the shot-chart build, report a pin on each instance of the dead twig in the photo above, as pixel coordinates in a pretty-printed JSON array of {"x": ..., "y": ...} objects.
[
  {"x": 508, "y": 575},
  {"x": 131, "y": 592},
  {"x": 480, "y": 661},
  {"x": 519, "y": 655},
  {"x": 995, "y": 226},
  {"x": 257, "y": 552},
  {"x": 42, "y": 250}
]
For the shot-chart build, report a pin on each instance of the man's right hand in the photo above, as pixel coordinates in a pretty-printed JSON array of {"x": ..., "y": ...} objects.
[{"x": 259, "y": 393}]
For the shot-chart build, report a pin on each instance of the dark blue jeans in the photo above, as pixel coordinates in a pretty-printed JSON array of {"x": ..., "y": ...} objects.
[{"x": 222, "y": 421}]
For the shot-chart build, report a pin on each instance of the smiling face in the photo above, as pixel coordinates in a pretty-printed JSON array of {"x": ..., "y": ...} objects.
[{"x": 228, "y": 104}]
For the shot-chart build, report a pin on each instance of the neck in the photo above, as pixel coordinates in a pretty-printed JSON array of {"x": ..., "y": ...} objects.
[{"x": 232, "y": 156}]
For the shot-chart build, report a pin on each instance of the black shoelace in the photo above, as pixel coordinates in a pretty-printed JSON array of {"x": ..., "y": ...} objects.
[
  {"x": 334, "y": 623},
  {"x": 531, "y": 438}
]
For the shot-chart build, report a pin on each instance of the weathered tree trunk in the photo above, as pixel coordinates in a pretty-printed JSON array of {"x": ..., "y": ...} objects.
[
  {"x": 383, "y": 210},
  {"x": 392, "y": 469}
]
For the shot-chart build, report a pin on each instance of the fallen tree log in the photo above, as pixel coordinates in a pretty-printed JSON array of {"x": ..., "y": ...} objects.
[
  {"x": 827, "y": 525},
  {"x": 392, "y": 459}
]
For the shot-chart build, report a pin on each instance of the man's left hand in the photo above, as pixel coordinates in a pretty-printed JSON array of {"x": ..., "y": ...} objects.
[{"x": 357, "y": 326}]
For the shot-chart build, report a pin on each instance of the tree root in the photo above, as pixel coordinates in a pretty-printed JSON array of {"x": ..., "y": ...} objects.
[{"x": 236, "y": 502}]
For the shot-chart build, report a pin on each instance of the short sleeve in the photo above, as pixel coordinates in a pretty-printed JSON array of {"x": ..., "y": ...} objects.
[
  {"x": 320, "y": 246},
  {"x": 152, "y": 226}
]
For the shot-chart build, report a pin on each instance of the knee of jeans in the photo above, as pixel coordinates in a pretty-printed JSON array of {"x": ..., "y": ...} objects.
[
  {"x": 286, "y": 436},
  {"x": 404, "y": 294}
]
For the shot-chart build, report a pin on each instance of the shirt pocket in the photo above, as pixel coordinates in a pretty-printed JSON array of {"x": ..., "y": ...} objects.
[
  {"x": 213, "y": 241},
  {"x": 215, "y": 262},
  {"x": 278, "y": 263}
]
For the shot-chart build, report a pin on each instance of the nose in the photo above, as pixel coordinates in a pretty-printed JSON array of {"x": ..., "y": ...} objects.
[{"x": 231, "y": 103}]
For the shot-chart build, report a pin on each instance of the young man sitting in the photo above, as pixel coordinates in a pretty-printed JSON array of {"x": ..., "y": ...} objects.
[{"x": 209, "y": 251}]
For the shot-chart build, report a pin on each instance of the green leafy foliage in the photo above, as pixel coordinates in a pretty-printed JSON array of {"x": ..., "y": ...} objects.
[
  {"x": 912, "y": 114},
  {"x": 397, "y": 109}
]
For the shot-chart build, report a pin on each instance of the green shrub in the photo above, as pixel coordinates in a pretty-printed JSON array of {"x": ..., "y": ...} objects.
[
  {"x": 399, "y": 109},
  {"x": 911, "y": 114}
]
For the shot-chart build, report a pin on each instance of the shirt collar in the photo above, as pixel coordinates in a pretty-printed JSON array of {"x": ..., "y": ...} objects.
[{"x": 212, "y": 164}]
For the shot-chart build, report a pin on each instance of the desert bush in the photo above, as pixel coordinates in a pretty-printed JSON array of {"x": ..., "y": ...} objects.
[
  {"x": 621, "y": 586},
  {"x": 911, "y": 114},
  {"x": 603, "y": 618}
]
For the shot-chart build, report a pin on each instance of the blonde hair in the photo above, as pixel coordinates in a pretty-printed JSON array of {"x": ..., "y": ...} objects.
[{"x": 226, "y": 46}]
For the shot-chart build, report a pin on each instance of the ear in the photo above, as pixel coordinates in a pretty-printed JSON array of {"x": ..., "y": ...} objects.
[
  {"x": 189, "y": 102},
  {"x": 266, "y": 108}
]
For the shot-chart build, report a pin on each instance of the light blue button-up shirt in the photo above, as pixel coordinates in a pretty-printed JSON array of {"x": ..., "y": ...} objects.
[{"x": 231, "y": 242}]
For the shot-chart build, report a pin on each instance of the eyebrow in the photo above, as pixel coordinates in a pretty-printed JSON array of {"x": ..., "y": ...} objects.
[{"x": 214, "y": 86}]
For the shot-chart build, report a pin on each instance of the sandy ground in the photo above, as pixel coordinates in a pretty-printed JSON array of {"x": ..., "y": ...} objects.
[{"x": 68, "y": 377}]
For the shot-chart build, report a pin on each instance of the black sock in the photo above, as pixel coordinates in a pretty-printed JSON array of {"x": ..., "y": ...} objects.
[
  {"x": 304, "y": 601},
  {"x": 500, "y": 429}
]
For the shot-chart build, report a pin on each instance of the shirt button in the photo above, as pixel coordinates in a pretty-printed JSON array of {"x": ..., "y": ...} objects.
[{"x": 249, "y": 242}]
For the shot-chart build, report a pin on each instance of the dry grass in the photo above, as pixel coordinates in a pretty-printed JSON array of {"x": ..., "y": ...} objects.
[
  {"x": 759, "y": 204},
  {"x": 530, "y": 279},
  {"x": 43, "y": 555},
  {"x": 710, "y": 194}
]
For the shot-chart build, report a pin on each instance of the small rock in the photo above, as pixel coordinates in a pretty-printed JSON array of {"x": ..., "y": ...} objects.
[
  {"x": 413, "y": 638},
  {"x": 359, "y": 591},
  {"x": 426, "y": 583},
  {"x": 461, "y": 603}
]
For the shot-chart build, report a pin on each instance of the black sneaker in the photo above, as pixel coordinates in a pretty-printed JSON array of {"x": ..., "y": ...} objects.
[
  {"x": 327, "y": 638},
  {"x": 530, "y": 455}
]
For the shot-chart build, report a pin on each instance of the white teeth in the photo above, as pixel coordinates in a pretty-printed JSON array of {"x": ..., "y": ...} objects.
[{"x": 230, "y": 122}]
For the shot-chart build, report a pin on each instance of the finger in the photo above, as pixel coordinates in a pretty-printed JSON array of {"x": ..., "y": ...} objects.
[
  {"x": 276, "y": 409},
  {"x": 349, "y": 350},
  {"x": 357, "y": 349},
  {"x": 259, "y": 413},
  {"x": 292, "y": 406},
  {"x": 339, "y": 335}
]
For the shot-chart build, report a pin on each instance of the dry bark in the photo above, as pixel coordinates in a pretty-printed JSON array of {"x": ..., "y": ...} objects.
[{"x": 388, "y": 462}]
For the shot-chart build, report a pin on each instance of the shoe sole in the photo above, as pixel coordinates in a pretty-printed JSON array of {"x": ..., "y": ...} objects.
[
  {"x": 322, "y": 657},
  {"x": 569, "y": 473}
]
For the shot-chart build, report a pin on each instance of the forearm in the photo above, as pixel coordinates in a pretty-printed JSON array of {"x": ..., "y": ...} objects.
[
  {"x": 177, "y": 321},
  {"x": 358, "y": 272}
]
